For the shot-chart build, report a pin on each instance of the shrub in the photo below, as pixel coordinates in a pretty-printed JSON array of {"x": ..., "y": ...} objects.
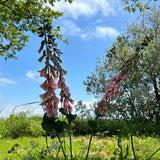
[
  {"x": 2, "y": 127},
  {"x": 106, "y": 127},
  {"x": 35, "y": 126},
  {"x": 17, "y": 125},
  {"x": 80, "y": 127}
]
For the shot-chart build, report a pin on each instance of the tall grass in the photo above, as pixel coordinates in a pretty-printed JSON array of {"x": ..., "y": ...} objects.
[
  {"x": 21, "y": 137},
  {"x": 101, "y": 148}
]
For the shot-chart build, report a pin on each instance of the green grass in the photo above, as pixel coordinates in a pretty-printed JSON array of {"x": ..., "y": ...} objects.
[
  {"x": 101, "y": 148},
  {"x": 21, "y": 137}
]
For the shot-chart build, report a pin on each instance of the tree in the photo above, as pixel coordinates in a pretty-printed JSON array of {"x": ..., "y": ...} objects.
[
  {"x": 140, "y": 97},
  {"x": 132, "y": 5},
  {"x": 19, "y": 16}
]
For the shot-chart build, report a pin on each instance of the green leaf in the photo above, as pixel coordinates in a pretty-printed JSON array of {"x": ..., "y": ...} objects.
[
  {"x": 62, "y": 111},
  {"x": 71, "y": 117},
  {"x": 59, "y": 126},
  {"x": 53, "y": 124},
  {"x": 138, "y": 4},
  {"x": 58, "y": 28},
  {"x": 48, "y": 123}
]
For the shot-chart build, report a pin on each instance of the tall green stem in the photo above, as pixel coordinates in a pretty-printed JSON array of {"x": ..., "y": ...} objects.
[
  {"x": 62, "y": 147},
  {"x": 89, "y": 144},
  {"x": 133, "y": 148},
  {"x": 70, "y": 139},
  {"x": 153, "y": 154},
  {"x": 47, "y": 143}
]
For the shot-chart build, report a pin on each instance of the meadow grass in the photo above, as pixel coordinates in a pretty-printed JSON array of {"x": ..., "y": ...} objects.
[
  {"x": 14, "y": 144},
  {"x": 101, "y": 148}
]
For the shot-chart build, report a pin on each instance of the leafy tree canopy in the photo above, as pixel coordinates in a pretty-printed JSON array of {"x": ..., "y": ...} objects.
[
  {"x": 133, "y": 5},
  {"x": 140, "y": 97},
  {"x": 19, "y": 16}
]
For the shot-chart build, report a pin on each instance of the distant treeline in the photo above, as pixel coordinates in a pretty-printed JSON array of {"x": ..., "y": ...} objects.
[{"x": 19, "y": 125}]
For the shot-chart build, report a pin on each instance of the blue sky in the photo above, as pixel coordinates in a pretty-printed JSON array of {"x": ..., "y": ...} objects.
[{"x": 91, "y": 26}]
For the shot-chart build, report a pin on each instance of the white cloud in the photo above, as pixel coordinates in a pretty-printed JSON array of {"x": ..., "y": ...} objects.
[
  {"x": 6, "y": 82},
  {"x": 102, "y": 32},
  {"x": 88, "y": 8},
  {"x": 71, "y": 29},
  {"x": 32, "y": 74},
  {"x": 33, "y": 109}
]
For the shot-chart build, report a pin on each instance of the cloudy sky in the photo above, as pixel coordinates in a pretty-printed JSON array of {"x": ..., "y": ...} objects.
[{"x": 91, "y": 26}]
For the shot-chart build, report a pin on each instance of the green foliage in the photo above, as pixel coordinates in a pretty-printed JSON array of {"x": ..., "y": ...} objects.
[
  {"x": 15, "y": 126},
  {"x": 133, "y": 5},
  {"x": 137, "y": 52},
  {"x": 117, "y": 130},
  {"x": 20, "y": 125},
  {"x": 83, "y": 111},
  {"x": 106, "y": 127},
  {"x": 80, "y": 127},
  {"x": 17, "y": 17},
  {"x": 101, "y": 148},
  {"x": 53, "y": 124}
]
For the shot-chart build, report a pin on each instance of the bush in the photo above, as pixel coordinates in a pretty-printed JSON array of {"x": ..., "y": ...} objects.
[
  {"x": 106, "y": 127},
  {"x": 17, "y": 125},
  {"x": 147, "y": 128},
  {"x": 2, "y": 127},
  {"x": 80, "y": 127},
  {"x": 35, "y": 126}
]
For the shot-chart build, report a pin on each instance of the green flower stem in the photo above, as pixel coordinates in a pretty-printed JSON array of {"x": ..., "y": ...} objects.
[
  {"x": 133, "y": 148},
  {"x": 62, "y": 146},
  {"x": 153, "y": 154},
  {"x": 70, "y": 139},
  {"x": 89, "y": 144},
  {"x": 47, "y": 144}
]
